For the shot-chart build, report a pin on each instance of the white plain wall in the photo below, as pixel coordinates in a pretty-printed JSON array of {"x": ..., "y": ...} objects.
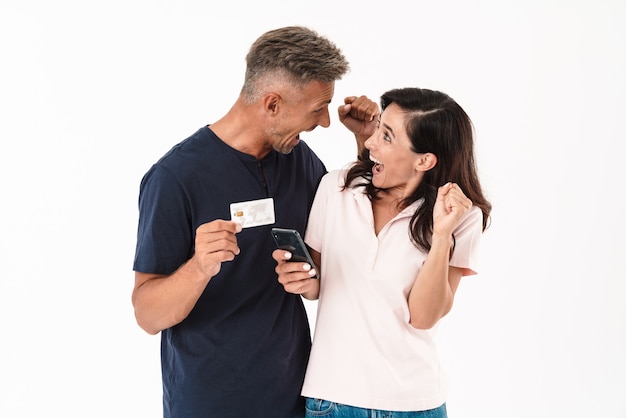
[{"x": 92, "y": 93}]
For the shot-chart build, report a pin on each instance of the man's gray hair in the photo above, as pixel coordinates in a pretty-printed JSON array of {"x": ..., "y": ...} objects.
[{"x": 295, "y": 54}]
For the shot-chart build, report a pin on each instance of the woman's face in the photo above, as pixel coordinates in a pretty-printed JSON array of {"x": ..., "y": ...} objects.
[{"x": 390, "y": 150}]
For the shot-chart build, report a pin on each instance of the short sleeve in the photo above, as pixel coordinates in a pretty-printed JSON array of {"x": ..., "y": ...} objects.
[
  {"x": 164, "y": 236},
  {"x": 467, "y": 238},
  {"x": 319, "y": 211}
]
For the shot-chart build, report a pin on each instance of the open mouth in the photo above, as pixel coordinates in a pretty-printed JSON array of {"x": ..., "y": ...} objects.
[{"x": 378, "y": 165}]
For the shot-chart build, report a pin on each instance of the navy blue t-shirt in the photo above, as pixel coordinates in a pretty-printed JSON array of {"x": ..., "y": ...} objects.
[{"x": 243, "y": 349}]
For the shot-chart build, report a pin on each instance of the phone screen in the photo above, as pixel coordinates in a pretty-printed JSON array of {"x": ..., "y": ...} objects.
[{"x": 290, "y": 240}]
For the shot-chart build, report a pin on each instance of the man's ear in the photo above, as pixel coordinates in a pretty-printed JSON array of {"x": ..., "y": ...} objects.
[
  {"x": 271, "y": 103},
  {"x": 425, "y": 161}
]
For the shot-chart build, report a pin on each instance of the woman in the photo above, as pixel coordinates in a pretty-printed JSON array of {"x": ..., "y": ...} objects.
[{"x": 391, "y": 235}]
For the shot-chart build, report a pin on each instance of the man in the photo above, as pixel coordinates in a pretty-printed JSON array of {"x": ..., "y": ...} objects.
[{"x": 233, "y": 342}]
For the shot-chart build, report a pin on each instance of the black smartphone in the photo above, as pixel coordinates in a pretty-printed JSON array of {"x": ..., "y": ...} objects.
[{"x": 290, "y": 240}]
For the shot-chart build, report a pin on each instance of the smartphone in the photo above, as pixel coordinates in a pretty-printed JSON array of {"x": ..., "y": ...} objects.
[{"x": 290, "y": 240}]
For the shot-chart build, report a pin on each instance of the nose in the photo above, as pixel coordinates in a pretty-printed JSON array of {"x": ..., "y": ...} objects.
[{"x": 324, "y": 120}]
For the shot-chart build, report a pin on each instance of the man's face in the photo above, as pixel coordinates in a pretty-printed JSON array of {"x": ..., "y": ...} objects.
[{"x": 301, "y": 110}]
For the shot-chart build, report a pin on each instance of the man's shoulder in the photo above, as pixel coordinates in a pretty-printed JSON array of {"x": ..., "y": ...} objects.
[
  {"x": 198, "y": 140},
  {"x": 194, "y": 150},
  {"x": 305, "y": 154}
]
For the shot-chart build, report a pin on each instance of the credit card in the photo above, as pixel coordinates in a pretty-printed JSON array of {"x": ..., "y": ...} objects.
[{"x": 253, "y": 212}]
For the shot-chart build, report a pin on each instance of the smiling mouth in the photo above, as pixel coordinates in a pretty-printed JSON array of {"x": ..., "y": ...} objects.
[{"x": 378, "y": 165}]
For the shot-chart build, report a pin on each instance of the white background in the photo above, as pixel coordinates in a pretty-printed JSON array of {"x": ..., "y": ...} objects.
[{"x": 92, "y": 93}]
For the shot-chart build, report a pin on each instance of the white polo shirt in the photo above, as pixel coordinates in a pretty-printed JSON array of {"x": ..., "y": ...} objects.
[{"x": 365, "y": 353}]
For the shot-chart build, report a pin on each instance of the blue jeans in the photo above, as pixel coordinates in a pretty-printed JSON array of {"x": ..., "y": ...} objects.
[{"x": 322, "y": 408}]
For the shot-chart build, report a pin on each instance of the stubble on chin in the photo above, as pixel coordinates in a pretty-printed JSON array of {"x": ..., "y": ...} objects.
[
  {"x": 284, "y": 150},
  {"x": 283, "y": 147},
  {"x": 277, "y": 144}
]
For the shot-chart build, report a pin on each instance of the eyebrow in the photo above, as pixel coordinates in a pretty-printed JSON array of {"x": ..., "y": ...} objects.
[
  {"x": 322, "y": 103},
  {"x": 389, "y": 129},
  {"x": 325, "y": 104}
]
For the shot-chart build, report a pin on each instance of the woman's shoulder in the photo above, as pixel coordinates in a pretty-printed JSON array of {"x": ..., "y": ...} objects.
[{"x": 335, "y": 177}]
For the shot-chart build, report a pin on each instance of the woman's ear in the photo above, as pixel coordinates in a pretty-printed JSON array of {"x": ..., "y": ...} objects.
[{"x": 425, "y": 161}]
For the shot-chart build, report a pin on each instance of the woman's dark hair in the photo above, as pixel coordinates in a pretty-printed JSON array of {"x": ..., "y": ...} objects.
[{"x": 435, "y": 123}]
